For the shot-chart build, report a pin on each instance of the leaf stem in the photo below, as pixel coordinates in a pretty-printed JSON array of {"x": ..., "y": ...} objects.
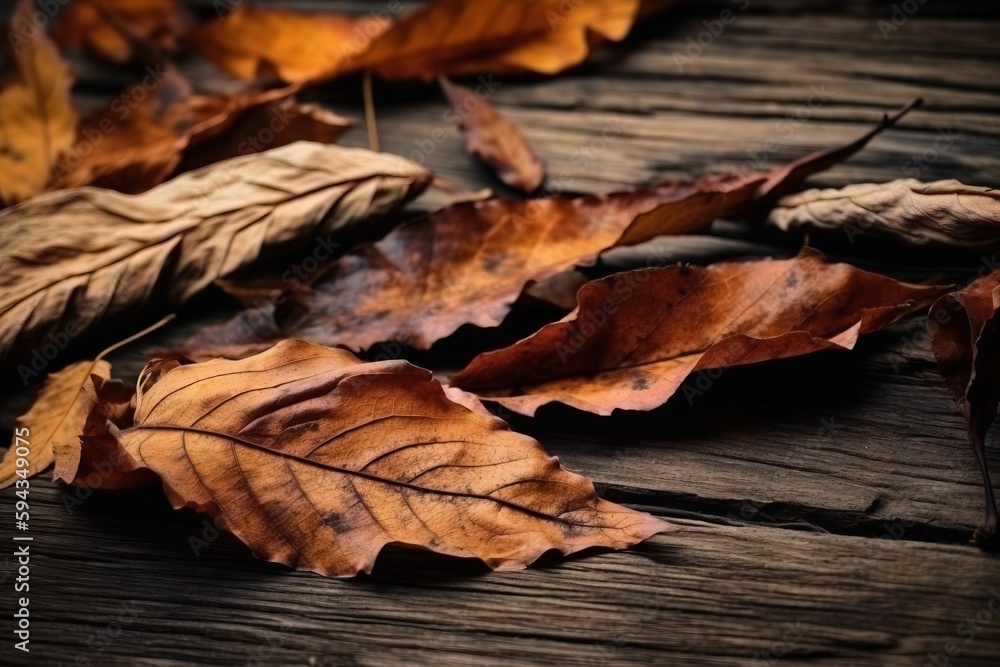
[
  {"x": 986, "y": 535},
  {"x": 134, "y": 337},
  {"x": 366, "y": 91}
]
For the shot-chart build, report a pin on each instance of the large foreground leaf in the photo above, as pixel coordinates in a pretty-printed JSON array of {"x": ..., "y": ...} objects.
[
  {"x": 317, "y": 460},
  {"x": 637, "y": 335}
]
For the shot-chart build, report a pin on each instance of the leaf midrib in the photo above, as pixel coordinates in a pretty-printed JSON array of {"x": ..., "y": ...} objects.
[{"x": 355, "y": 473}]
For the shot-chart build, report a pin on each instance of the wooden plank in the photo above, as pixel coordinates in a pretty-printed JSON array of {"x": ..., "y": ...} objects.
[{"x": 709, "y": 595}]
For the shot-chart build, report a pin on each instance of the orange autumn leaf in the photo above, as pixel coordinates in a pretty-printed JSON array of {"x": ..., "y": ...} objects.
[
  {"x": 637, "y": 335},
  {"x": 251, "y": 43},
  {"x": 160, "y": 126},
  {"x": 317, "y": 460},
  {"x": 110, "y": 29},
  {"x": 37, "y": 118},
  {"x": 454, "y": 37}
]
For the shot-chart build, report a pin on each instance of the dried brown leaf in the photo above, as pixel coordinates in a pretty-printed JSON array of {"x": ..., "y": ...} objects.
[
  {"x": 86, "y": 257},
  {"x": 943, "y": 212},
  {"x": 91, "y": 457},
  {"x": 160, "y": 127},
  {"x": 493, "y": 138},
  {"x": 637, "y": 335},
  {"x": 317, "y": 460},
  {"x": 58, "y": 415},
  {"x": 964, "y": 329}
]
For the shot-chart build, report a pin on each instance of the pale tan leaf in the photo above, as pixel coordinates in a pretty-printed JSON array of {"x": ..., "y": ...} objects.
[
  {"x": 58, "y": 415},
  {"x": 946, "y": 213},
  {"x": 89, "y": 256}
]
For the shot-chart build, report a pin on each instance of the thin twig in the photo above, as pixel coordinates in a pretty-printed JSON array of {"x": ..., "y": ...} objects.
[{"x": 366, "y": 90}]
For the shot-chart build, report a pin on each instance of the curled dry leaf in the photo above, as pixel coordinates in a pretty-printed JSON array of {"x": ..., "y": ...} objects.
[
  {"x": 58, "y": 415},
  {"x": 454, "y": 38},
  {"x": 66, "y": 404},
  {"x": 37, "y": 118},
  {"x": 92, "y": 457},
  {"x": 468, "y": 263},
  {"x": 317, "y": 460},
  {"x": 253, "y": 42},
  {"x": 494, "y": 139},
  {"x": 86, "y": 256},
  {"x": 964, "y": 329},
  {"x": 637, "y": 335},
  {"x": 109, "y": 29},
  {"x": 159, "y": 127},
  {"x": 943, "y": 212}
]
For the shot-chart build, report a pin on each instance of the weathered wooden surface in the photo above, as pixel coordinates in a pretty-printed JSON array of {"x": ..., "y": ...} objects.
[{"x": 827, "y": 501}]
